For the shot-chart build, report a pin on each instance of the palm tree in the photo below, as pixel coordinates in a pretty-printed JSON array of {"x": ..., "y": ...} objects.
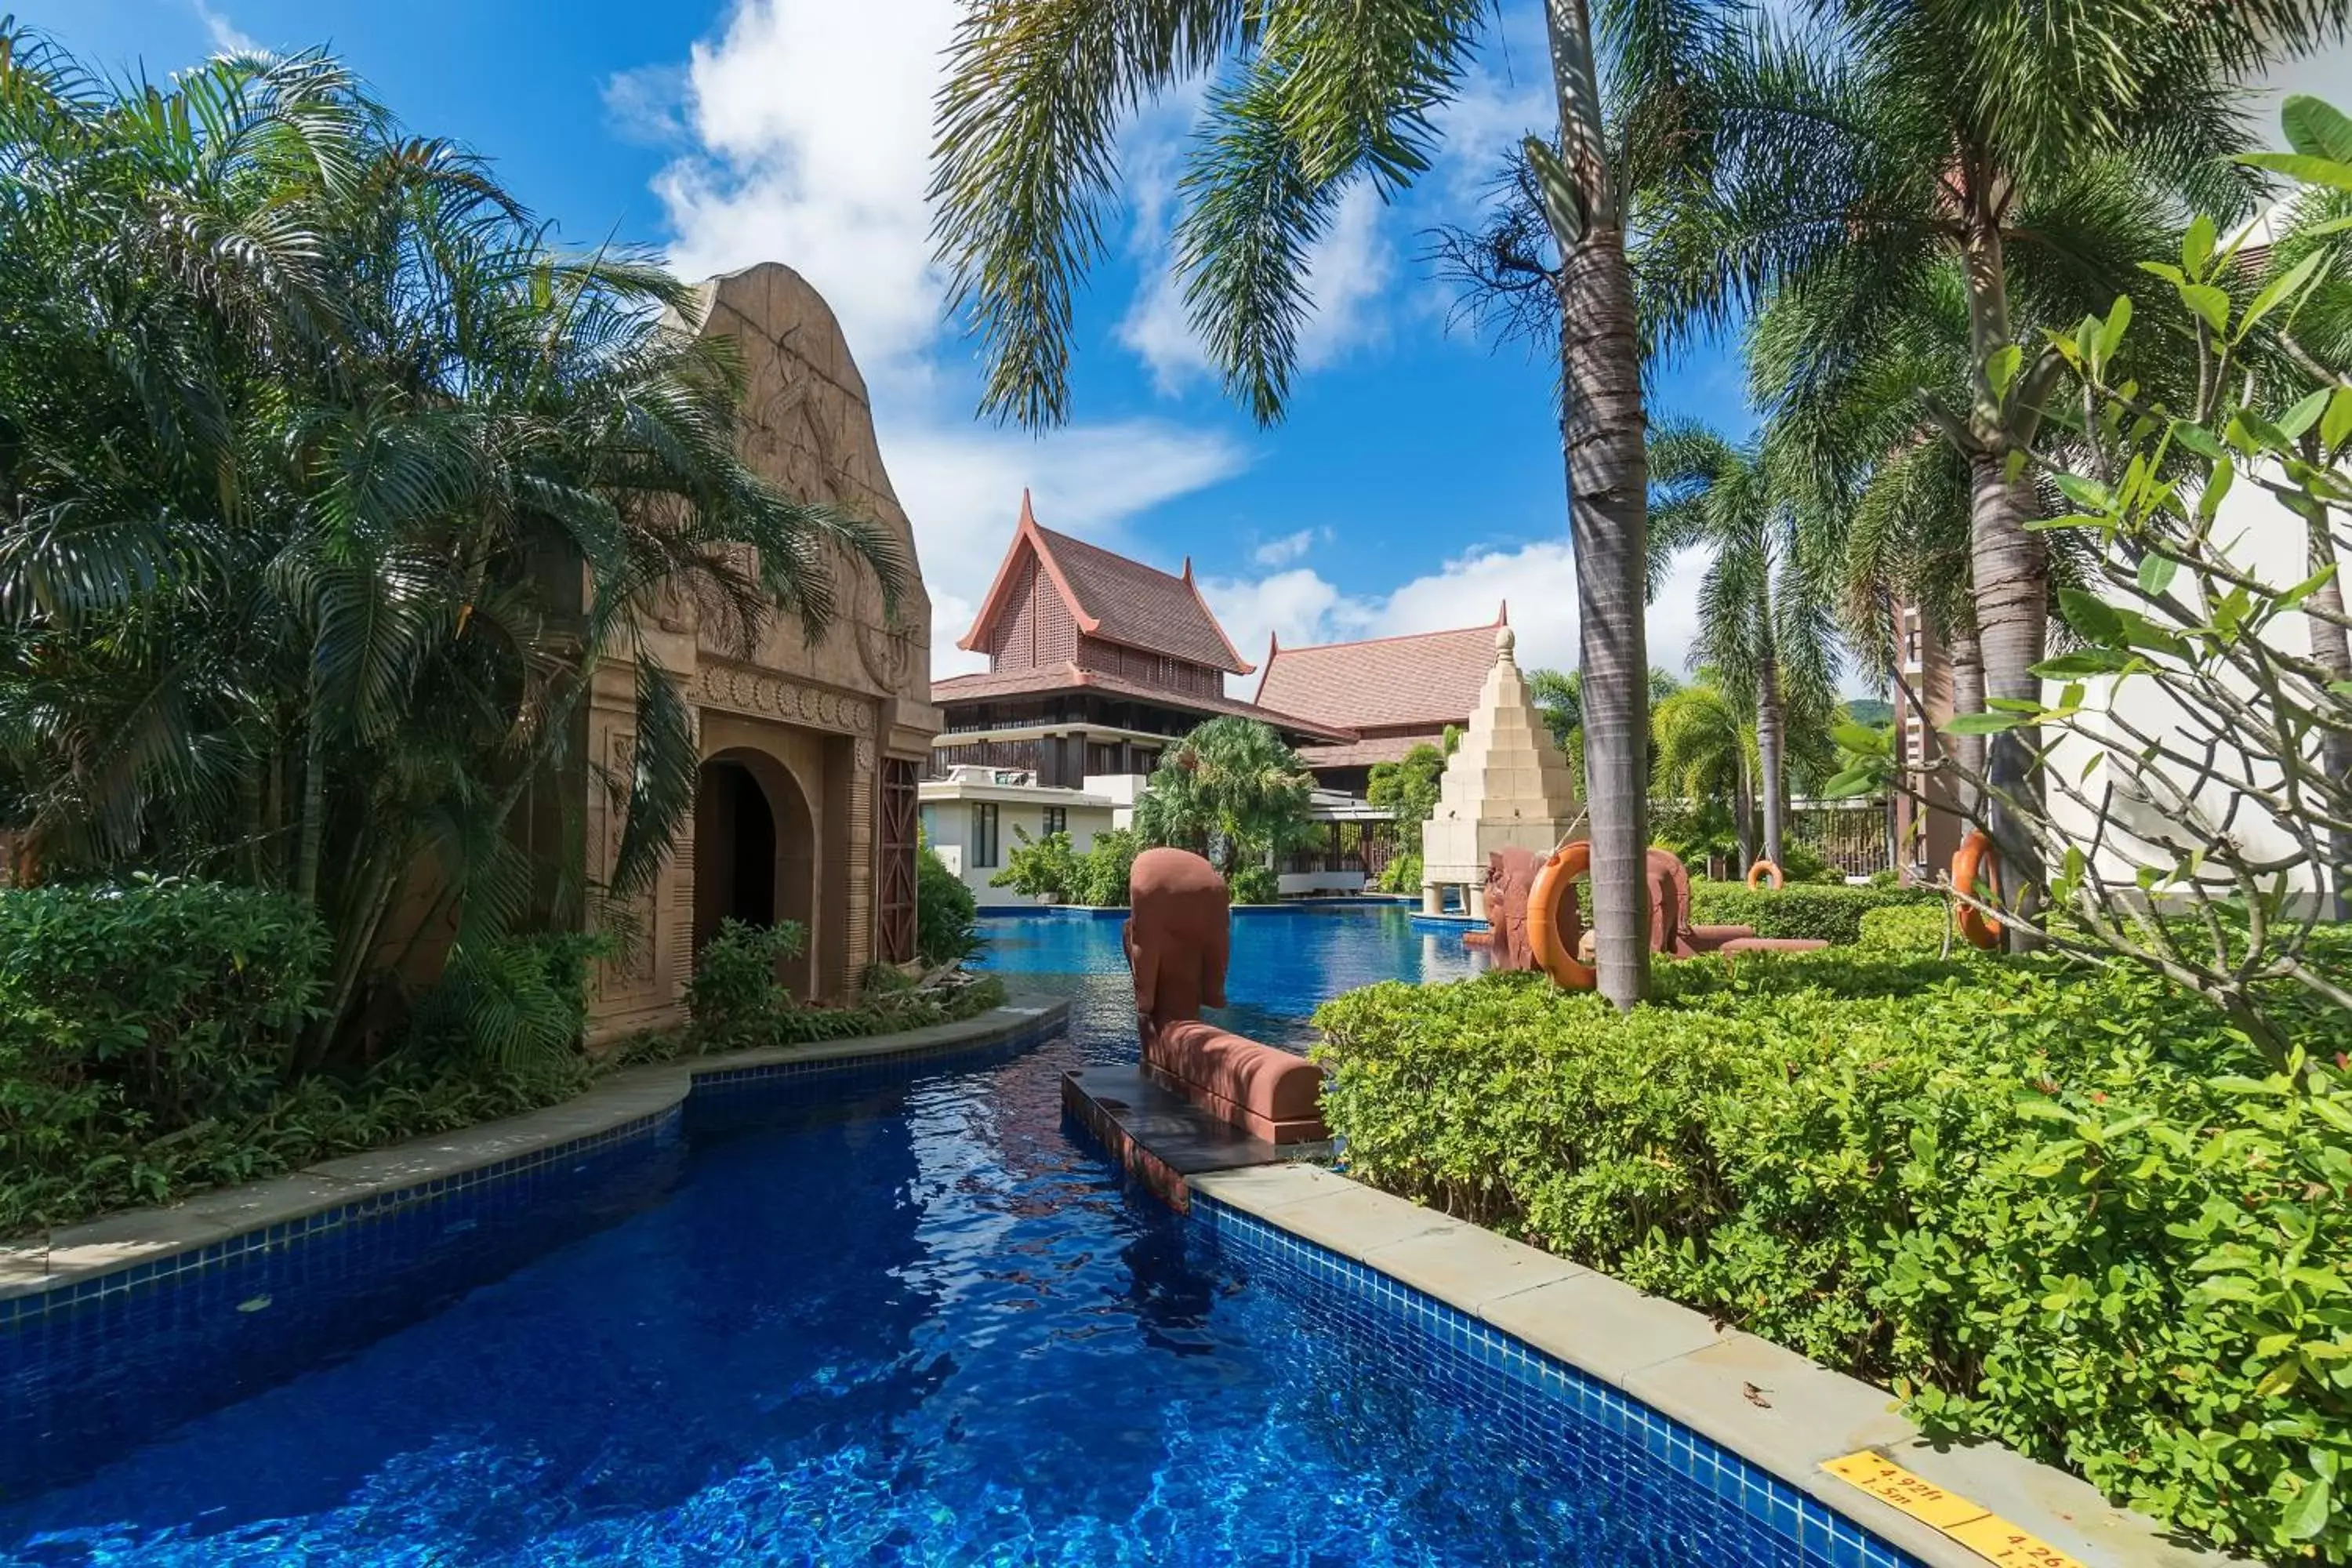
[
  {"x": 1888, "y": 139},
  {"x": 1316, "y": 98},
  {"x": 330, "y": 491},
  {"x": 1764, "y": 624},
  {"x": 1231, "y": 786},
  {"x": 1887, "y": 490},
  {"x": 1704, "y": 743}
]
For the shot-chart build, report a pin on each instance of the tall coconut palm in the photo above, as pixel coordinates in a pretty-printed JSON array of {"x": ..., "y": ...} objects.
[
  {"x": 1312, "y": 99},
  {"x": 327, "y": 492},
  {"x": 2024, "y": 144},
  {"x": 1765, "y": 628},
  {"x": 1887, "y": 491}
]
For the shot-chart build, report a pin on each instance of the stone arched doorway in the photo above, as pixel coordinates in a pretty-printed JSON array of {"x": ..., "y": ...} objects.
[{"x": 755, "y": 854}]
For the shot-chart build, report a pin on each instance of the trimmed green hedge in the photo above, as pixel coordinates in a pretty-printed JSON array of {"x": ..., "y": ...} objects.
[
  {"x": 2066, "y": 1209},
  {"x": 1909, "y": 929},
  {"x": 1832, "y": 914}
]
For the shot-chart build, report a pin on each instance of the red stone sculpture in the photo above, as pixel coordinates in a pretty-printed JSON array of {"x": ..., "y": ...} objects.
[
  {"x": 1179, "y": 937},
  {"x": 1510, "y": 877},
  {"x": 1672, "y": 933}
]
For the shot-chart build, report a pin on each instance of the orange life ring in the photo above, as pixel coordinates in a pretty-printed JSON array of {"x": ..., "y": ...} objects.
[
  {"x": 1555, "y": 885},
  {"x": 1756, "y": 875},
  {"x": 1976, "y": 856}
]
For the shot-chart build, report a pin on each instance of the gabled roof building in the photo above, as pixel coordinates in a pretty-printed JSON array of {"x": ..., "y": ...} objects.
[
  {"x": 1095, "y": 663},
  {"x": 1393, "y": 693}
]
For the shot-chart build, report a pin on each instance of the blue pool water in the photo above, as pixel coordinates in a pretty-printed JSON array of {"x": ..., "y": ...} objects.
[{"x": 899, "y": 1324}]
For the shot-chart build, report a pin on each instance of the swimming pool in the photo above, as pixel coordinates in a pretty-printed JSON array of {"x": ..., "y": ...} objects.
[{"x": 908, "y": 1323}]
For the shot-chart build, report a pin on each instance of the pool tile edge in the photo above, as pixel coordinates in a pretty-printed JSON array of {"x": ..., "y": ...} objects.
[
  {"x": 1706, "y": 1379},
  {"x": 136, "y": 1247}
]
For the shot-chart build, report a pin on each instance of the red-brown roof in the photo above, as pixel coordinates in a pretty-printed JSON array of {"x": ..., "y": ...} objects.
[
  {"x": 1070, "y": 677},
  {"x": 1429, "y": 677},
  {"x": 1364, "y": 753},
  {"x": 1113, "y": 598}
]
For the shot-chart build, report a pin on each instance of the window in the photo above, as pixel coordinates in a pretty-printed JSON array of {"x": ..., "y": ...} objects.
[
  {"x": 983, "y": 843},
  {"x": 1057, "y": 819}
]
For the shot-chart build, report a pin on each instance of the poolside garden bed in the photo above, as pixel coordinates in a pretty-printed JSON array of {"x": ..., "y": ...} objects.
[
  {"x": 149, "y": 1041},
  {"x": 2068, "y": 1209}
]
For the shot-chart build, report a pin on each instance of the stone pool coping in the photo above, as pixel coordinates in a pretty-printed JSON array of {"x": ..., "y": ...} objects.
[
  {"x": 1680, "y": 1363},
  {"x": 140, "y": 1238}
]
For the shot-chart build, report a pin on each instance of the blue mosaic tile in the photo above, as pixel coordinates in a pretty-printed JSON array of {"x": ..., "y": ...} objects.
[
  {"x": 91, "y": 1368},
  {"x": 1653, "y": 1465}
]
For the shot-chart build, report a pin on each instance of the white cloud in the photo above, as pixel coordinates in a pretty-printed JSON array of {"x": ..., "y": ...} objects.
[
  {"x": 226, "y": 37},
  {"x": 805, "y": 138},
  {"x": 1345, "y": 274},
  {"x": 1537, "y": 579},
  {"x": 1290, "y": 547},
  {"x": 648, "y": 106}
]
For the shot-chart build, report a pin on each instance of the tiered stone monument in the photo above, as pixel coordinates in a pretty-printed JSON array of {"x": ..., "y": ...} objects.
[{"x": 1506, "y": 786}]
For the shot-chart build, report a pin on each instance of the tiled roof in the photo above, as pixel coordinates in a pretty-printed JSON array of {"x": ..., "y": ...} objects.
[
  {"x": 1430, "y": 677},
  {"x": 1141, "y": 606},
  {"x": 1070, "y": 678},
  {"x": 1365, "y": 752},
  {"x": 1114, "y": 598}
]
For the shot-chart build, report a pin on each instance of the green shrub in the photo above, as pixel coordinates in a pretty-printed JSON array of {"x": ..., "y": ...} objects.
[
  {"x": 1255, "y": 885},
  {"x": 177, "y": 1001},
  {"x": 1402, "y": 874},
  {"x": 734, "y": 997},
  {"x": 1103, "y": 869},
  {"x": 2057, "y": 1208},
  {"x": 1044, "y": 867},
  {"x": 1908, "y": 929},
  {"x": 512, "y": 1003},
  {"x": 145, "y": 1049},
  {"x": 1822, "y": 913},
  {"x": 1803, "y": 863},
  {"x": 947, "y": 916}
]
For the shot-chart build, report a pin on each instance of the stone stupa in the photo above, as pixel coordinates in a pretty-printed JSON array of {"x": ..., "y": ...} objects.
[{"x": 1507, "y": 785}]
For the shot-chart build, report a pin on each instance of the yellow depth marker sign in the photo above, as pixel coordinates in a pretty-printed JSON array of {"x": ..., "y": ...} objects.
[{"x": 1971, "y": 1524}]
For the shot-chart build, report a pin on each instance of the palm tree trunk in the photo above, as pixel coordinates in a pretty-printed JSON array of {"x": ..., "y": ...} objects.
[
  {"x": 1768, "y": 753},
  {"x": 2009, "y": 567},
  {"x": 1743, "y": 806},
  {"x": 2331, "y": 649},
  {"x": 1603, "y": 432},
  {"x": 1967, "y": 697},
  {"x": 2011, "y": 571}
]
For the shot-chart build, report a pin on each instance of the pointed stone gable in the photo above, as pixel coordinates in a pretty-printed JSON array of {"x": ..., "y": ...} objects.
[{"x": 1507, "y": 785}]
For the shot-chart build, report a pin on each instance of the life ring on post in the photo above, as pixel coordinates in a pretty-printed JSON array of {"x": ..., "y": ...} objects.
[
  {"x": 1755, "y": 874},
  {"x": 1547, "y": 902},
  {"x": 1977, "y": 856}
]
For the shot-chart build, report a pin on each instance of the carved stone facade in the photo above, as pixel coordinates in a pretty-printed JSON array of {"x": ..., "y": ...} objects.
[{"x": 797, "y": 741}]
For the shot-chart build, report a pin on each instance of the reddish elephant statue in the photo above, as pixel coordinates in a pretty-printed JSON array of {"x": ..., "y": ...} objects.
[
  {"x": 1672, "y": 933},
  {"x": 1178, "y": 938},
  {"x": 1510, "y": 877}
]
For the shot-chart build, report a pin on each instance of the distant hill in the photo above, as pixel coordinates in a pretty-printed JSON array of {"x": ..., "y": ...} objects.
[{"x": 1870, "y": 710}]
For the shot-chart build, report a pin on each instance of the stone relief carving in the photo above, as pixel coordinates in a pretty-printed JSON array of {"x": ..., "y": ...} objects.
[{"x": 795, "y": 702}]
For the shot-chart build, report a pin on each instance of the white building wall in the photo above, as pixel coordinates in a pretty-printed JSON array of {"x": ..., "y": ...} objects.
[
  {"x": 948, "y": 828},
  {"x": 2268, "y": 542}
]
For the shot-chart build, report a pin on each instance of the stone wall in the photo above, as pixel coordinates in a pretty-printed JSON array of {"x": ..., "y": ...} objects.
[{"x": 814, "y": 724}]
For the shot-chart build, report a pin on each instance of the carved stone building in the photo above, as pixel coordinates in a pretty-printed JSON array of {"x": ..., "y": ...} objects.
[{"x": 806, "y": 809}]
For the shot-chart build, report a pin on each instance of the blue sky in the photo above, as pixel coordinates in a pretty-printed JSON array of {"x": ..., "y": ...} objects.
[{"x": 1416, "y": 482}]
